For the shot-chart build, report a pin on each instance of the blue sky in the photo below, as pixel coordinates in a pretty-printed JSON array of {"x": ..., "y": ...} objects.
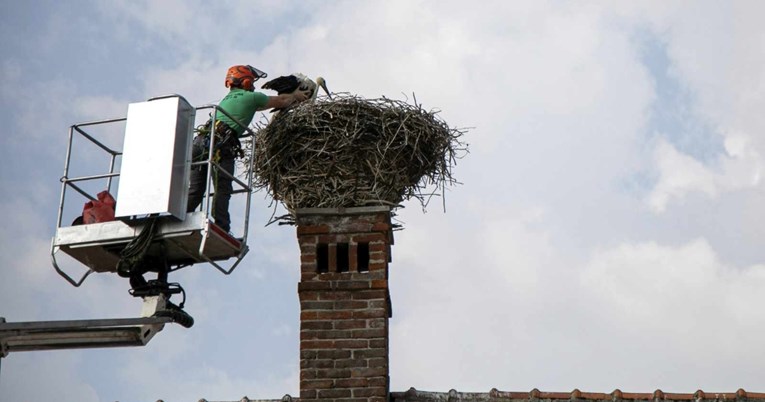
[
  {"x": 611, "y": 209},
  {"x": 672, "y": 114}
]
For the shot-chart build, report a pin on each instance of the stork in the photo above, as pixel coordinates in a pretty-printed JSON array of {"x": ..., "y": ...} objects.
[{"x": 288, "y": 84}]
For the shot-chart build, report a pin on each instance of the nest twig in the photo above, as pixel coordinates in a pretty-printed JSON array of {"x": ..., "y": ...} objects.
[{"x": 352, "y": 151}]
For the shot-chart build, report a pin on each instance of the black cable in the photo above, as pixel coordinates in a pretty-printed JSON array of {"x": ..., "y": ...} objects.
[{"x": 134, "y": 252}]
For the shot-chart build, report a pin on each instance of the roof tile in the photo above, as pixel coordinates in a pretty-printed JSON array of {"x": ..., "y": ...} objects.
[{"x": 495, "y": 395}]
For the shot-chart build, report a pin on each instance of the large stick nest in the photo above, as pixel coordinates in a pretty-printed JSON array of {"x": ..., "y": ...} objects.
[{"x": 352, "y": 151}]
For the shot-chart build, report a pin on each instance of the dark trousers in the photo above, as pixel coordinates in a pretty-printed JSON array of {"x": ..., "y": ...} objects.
[{"x": 222, "y": 189}]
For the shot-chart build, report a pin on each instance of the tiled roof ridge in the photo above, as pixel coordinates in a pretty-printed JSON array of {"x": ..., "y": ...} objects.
[
  {"x": 536, "y": 395},
  {"x": 616, "y": 395},
  {"x": 285, "y": 398}
]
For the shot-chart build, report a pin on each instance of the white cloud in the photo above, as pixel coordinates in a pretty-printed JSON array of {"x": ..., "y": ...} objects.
[
  {"x": 744, "y": 167},
  {"x": 473, "y": 308},
  {"x": 99, "y": 107},
  {"x": 680, "y": 175},
  {"x": 23, "y": 376},
  {"x": 641, "y": 281},
  {"x": 682, "y": 304},
  {"x": 34, "y": 115},
  {"x": 542, "y": 274},
  {"x": 504, "y": 302},
  {"x": 709, "y": 46},
  {"x": 208, "y": 377}
]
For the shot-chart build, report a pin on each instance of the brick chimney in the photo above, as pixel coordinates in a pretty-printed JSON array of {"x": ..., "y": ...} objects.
[{"x": 344, "y": 303}]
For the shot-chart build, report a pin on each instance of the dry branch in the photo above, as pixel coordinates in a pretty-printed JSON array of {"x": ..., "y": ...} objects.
[{"x": 352, "y": 151}]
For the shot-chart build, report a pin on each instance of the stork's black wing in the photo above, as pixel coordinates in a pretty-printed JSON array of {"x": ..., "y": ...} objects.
[{"x": 283, "y": 85}]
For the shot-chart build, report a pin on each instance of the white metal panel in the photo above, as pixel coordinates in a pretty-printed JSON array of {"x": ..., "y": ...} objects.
[
  {"x": 193, "y": 240},
  {"x": 156, "y": 156}
]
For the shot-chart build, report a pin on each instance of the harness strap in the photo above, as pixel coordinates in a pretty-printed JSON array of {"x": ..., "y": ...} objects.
[{"x": 226, "y": 139}]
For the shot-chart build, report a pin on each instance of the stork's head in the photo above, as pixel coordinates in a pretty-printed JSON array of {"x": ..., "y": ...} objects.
[
  {"x": 243, "y": 77},
  {"x": 323, "y": 84}
]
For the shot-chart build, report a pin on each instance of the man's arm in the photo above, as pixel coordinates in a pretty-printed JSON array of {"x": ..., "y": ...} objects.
[{"x": 282, "y": 101}]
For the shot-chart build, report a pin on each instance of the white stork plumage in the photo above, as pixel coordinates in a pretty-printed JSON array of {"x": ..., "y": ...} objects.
[{"x": 288, "y": 84}]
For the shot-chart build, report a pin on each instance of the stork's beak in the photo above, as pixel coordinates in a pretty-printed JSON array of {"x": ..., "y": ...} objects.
[{"x": 323, "y": 84}]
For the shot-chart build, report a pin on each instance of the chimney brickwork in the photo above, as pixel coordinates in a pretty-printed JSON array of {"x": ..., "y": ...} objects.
[{"x": 344, "y": 303}]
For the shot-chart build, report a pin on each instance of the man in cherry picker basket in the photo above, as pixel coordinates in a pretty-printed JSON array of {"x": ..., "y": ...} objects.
[{"x": 241, "y": 102}]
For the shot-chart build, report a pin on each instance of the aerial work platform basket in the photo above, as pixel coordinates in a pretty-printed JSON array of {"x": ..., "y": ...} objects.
[
  {"x": 193, "y": 240},
  {"x": 150, "y": 161},
  {"x": 152, "y": 170}
]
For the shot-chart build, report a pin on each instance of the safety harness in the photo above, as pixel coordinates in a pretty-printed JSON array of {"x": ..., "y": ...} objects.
[
  {"x": 226, "y": 138},
  {"x": 226, "y": 141}
]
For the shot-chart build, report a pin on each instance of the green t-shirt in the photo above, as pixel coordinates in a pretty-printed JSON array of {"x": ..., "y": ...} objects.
[{"x": 242, "y": 105}]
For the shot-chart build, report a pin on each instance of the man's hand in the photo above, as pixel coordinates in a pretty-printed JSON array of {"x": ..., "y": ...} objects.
[
  {"x": 283, "y": 101},
  {"x": 299, "y": 96}
]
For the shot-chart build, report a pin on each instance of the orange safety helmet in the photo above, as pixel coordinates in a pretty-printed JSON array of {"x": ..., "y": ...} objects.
[{"x": 244, "y": 77}]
